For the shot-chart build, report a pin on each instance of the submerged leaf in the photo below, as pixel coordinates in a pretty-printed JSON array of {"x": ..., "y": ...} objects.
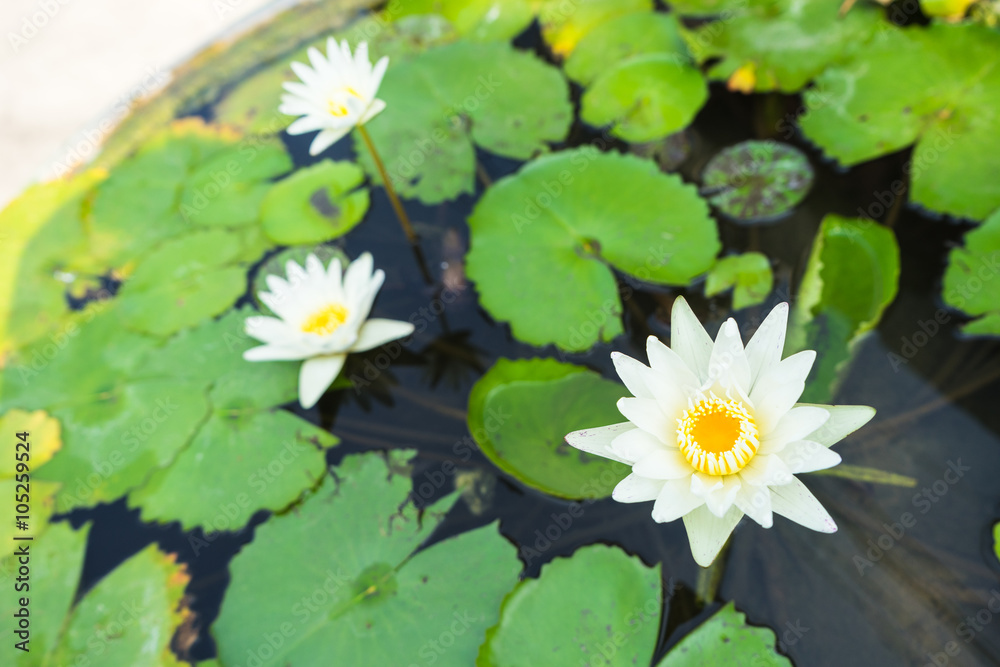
[
  {"x": 750, "y": 274},
  {"x": 543, "y": 241},
  {"x": 350, "y": 551},
  {"x": 757, "y": 181}
]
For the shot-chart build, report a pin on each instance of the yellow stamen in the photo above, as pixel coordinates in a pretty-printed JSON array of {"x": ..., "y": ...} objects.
[
  {"x": 351, "y": 91},
  {"x": 326, "y": 320},
  {"x": 716, "y": 436},
  {"x": 338, "y": 110}
]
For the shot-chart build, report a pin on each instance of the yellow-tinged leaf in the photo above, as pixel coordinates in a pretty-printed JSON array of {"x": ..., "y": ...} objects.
[
  {"x": 744, "y": 79},
  {"x": 43, "y": 439}
]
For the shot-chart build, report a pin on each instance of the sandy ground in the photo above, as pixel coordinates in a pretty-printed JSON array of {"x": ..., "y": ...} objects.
[{"x": 66, "y": 66}]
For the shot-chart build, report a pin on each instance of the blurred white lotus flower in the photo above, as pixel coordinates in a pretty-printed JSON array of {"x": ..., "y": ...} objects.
[
  {"x": 336, "y": 94},
  {"x": 714, "y": 431},
  {"x": 322, "y": 316}
]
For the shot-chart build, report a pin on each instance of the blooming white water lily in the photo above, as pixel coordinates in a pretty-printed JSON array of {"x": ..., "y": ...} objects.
[
  {"x": 714, "y": 431},
  {"x": 336, "y": 94},
  {"x": 322, "y": 316}
]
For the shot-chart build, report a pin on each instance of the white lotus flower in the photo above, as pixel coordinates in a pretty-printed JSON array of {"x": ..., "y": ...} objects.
[
  {"x": 322, "y": 316},
  {"x": 336, "y": 94},
  {"x": 714, "y": 431}
]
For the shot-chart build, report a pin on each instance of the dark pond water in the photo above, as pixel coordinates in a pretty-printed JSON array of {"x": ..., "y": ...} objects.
[{"x": 917, "y": 588}]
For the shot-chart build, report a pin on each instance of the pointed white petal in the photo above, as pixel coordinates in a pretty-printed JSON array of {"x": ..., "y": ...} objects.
[
  {"x": 376, "y": 107},
  {"x": 636, "y": 489},
  {"x": 689, "y": 339},
  {"x": 797, "y": 423},
  {"x": 598, "y": 440},
  {"x": 665, "y": 362},
  {"x": 634, "y": 444},
  {"x": 357, "y": 277},
  {"x": 275, "y": 353},
  {"x": 277, "y": 284},
  {"x": 308, "y": 123},
  {"x": 377, "y": 73},
  {"x": 316, "y": 376},
  {"x": 807, "y": 456},
  {"x": 797, "y": 503},
  {"x": 755, "y": 502},
  {"x": 674, "y": 501},
  {"x": 766, "y": 470},
  {"x": 765, "y": 346},
  {"x": 719, "y": 493},
  {"x": 708, "y": 533},
  {"x": 305, "y": 74},
  {"x": 663, "y": 464},
  {"x": 844, "y": 420},
  {"x": 377, "y": 331},
  {"x": 314, "y": 268},
  {"x": 269, "y": 330},
  {"x": 777, "y": 389},
  {"x": 327, "y": 138},
  {"x": 647, "y": 415},
  {"x": 635, "y": 374},
  {"x": 728, "y": 365}
]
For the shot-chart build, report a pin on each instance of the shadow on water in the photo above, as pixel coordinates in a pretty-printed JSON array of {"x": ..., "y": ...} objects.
[{"x": 884, "y": 590}]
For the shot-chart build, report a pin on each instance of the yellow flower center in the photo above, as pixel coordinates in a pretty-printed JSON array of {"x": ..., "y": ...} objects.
[
  {"x": 326, "y": 320},
  {"x": 716, "y": 436},
  {"x": 340, "y": 110}
]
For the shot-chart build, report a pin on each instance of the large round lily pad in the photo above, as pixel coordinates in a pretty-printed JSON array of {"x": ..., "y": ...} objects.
[
  {"x": 635, "y": 34},
  {"x": 545, "y": 239}
]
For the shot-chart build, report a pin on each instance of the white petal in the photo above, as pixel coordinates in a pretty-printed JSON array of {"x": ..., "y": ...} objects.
[
  {"x": 635, "y": 374},
  {"x": 307, "y": 123},
  {"x": 305, "y": 73},
  {"x": 797, "y": 423},
  {"x": 797, "y": 503},
  {"x": 634, "y": 444},
  {"x": 327, "y": 138},
  {"x": 674, "y": 501},
  {"x": 275, "y": 353},
  {"x": 844, "y": 420},
  {"x": 666, "y": 364},
  {"x": 269, "y": 330},
  {"x": 377, "y": 331},
  {"x": 755, "y": 502},
  {"x": 377, "y": 73},
  {"x": 597, "y": 441},
  {"x": 358, "y": 276},
  {"x": 636, "y": 489},
  {"x": 708, "y": 533},
  {"x": 765, "y": 346},
  {"x": 647, "y": 415},
  {"x": 314, "y": 268},
  {"x": 728, "y": 364},
  {"x": 663, "y": 464},
  {"x": 719, "y": 493},
  {"x": 316, "y": 376},
  {"x": 807, "y": 456},
  {"x": 689, "y": 339},
  {"x": 376, "y": 107},
  {"x": 277, "y": 284},
  {"x": 766, "y": 470},
  {"x": 777, "y": 389}
]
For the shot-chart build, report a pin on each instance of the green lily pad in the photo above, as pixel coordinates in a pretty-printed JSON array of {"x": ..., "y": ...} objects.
[
  {"x": 937, "y": 87},
  {"x": 598, "y": 607},
  {"x": 348, "y": 551},
  {"x": 544, "y": 240},
  {"x": 564, "y": 24},
  {"x": 645, "y": 97},
  {"x": 970, "y": 281},
  {"x": 750, "y": 274},
  {"x": 128, "y": 618},
  {"x": 996, "y": 540},
  {"x": 55, "y": 563},
  {"x": 851, "y": 277},
  {"x": 726, "y": 639},
  {"x": 757, "y": 181},
  {"x": 636, "y": 34},
  {"x": 777, "y": 44},
  {"x": 478, "y": 20},
  {"x": 444, "y": 102},
  {"x": 38, "y": 229},
  {"x": 315, "y": 204},
  {"x": 185, "y": 281},
  {"x": 520, "y": 412}
]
